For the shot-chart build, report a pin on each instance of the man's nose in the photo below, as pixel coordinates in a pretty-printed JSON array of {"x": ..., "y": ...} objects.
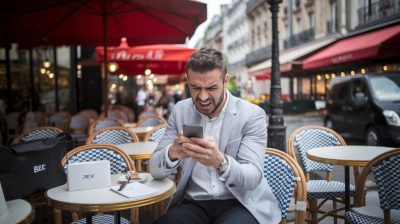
[{"x": 203, "y": 95}]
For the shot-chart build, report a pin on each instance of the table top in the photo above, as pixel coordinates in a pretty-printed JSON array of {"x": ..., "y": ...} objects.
[
  {"x": 104, "y": 199},
  {"x": 139, "y": 150},
  {"x": 19, "y": 211},
  {"x": 130, "y": 124},
  {"x": 350, "y": 155},
  {"x": 141, "y": 129}
]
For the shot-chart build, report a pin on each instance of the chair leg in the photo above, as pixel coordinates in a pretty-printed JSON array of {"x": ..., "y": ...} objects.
[
  {"x": 335, "y": 213},
  {"x": 313, "y": 203},
  {"x": 135, "y": 216}
]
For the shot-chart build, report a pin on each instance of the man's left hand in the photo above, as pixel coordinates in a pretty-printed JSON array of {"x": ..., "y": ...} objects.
[{"x": 204, "y": 150}]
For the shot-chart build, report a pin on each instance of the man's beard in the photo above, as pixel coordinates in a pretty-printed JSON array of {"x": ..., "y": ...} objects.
[{"x": 215, "y": 104}]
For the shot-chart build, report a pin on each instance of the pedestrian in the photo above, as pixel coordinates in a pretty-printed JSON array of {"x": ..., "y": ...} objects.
[
  {"x": 141, "y": 98},
  {"x": 222, "y": 174}
]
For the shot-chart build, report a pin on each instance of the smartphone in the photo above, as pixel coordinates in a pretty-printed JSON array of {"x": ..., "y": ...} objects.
[{"x": 193, "y": 131}]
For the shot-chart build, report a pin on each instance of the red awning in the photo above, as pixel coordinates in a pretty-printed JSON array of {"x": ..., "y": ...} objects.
[
  {"x": 263, "y": 76},
  {"x": 375, "y": 44},
  {"x": 160, "y": 58}
]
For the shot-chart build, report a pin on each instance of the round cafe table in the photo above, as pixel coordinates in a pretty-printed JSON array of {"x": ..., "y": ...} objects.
[
  {"x": 350, "y": 155},
  {"x": 19, "y": 211},
  {"x": 104, "y": 199},
  {"x": 139, "y": 151},
  {"x": 141, "y": 132}
]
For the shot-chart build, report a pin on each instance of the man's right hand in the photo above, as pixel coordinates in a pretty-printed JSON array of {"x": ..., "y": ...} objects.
[{"x": 176, "y": 151}]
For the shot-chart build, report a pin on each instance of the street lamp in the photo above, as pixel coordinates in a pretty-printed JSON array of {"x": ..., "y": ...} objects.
[{"x": 276, "y": 127}]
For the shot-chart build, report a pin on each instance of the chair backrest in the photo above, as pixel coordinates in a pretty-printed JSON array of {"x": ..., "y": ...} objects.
[
  {"x": 127, "y": 111},
  {"x": 112, "y": 136},
  {"x": 13, "y": 127},
  {"x": 385, "y": 168},
  {"x": 100, "y": 123},
  {"x": 79, "y": 124},
  {"x": 119, "y": 160},
  {"x": 116, "y": 114},
  {"x": 147, "y": 114},
  {"x": 34, "y": 119},
  {"x": 37, "y": 133},
  {"x": 309, "y": 137},
  {"x": 151, "y": 121},
  {"x": 89, "y": 114},
  {"x": 61, "y": 120},
  {"x": 286, "y": 180},
  {"x": 156, "y": 134}
]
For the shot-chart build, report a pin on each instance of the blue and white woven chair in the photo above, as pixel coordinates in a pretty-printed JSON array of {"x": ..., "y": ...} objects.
[
  {"x": 112, "y": 136},
  {"x": 119, "y": 163},
  {"x": 156, "y": 134},
  {"x": 387, "y": 176},
  {"x": 151, "y": 121},
  {"x": 36, "y": 134},
  {"x": 286, "y": 180},
  {"x": 106, "y": 122},
  {"x": 309, "y": 137}
]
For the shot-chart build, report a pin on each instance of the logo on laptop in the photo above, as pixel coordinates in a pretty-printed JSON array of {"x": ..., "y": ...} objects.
[
  {"x": 88, "y": 176},
  {"x": 39, "y": 168}
]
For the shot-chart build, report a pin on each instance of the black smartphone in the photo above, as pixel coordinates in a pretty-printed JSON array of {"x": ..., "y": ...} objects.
[{"x": 193, "y": 131}]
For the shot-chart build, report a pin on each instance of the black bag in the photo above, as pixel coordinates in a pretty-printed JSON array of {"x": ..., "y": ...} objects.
[{"x": 33, "y": 166}]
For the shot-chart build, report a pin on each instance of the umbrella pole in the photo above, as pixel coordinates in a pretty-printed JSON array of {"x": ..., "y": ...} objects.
[{"x": 105, "y": 84}]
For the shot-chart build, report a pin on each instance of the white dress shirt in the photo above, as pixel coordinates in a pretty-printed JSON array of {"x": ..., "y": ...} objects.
[{"x": 204, "y": 182}]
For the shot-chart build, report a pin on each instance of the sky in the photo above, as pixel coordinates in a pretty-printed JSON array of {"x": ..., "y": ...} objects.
[{"x": 213, "y": 8}]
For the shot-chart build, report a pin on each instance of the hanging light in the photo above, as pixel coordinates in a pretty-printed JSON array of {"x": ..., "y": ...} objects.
[
  {"x": 385, "y": 68},
  {"x": 121, "y": 76},
  {"x": 147, "y": 71},
  {"x": 42, "y": 71},
  {"x": 342, "y": 74},
  {"x": 152, "y": 76},
  {"x": 139, "y": 77},
  {"x": 51, "y": 75},
  {"x": 112, "y": 67},
  {"x": 46, "y": 63},
  {"x": 125, "y": 78}
]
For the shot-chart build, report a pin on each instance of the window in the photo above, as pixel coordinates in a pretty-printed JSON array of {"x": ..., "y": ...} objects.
[
  {"x": 311, "y": 19},
  {"x": 333, "y": 15}
]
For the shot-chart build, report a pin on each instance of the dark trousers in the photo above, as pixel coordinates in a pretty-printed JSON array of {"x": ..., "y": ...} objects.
[{"x": 207, "y": 212}]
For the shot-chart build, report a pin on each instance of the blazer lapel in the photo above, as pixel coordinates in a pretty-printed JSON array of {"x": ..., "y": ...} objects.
[{"x": 228, "y": 122}]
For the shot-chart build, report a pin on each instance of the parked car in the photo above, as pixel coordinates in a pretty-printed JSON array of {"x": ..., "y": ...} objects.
[{"x": 366, "y": 107}]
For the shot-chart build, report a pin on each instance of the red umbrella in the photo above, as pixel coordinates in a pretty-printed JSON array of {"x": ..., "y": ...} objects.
[
  {"x": 160, "y": 58},
  {"x": 88, "y": 22},
  {"x": 99, "y": 22}
]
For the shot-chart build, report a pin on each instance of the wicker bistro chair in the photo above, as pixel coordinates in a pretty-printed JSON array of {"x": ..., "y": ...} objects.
[
  {"x": 104, "y": 123},
  {"x": 126, "y": 110},
  {"x": 308, "y": 137},
  {"x": 156, "y": 134},
  {"x": 78, "y": 128},
  {"x": 119, "y": 163},
  {"x": 36, "y": 134},
  {"x": 386, "y": 170},
  {"x": 151, "y": 121},
  {"x": 286, "y": 180},
  {"x": 112, "y": 136},
  {"x": 89, "y": 114},
  {"x": 60, "y": 120}
]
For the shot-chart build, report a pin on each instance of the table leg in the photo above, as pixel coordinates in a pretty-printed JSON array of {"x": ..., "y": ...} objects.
[
  {"x": 57, "y": 216},
  {"x": 117, "y": 217},
  {"x": 138, "y": 165},
  {"x": 347, "y": 187},
  {"x": 89, "y": 217}
]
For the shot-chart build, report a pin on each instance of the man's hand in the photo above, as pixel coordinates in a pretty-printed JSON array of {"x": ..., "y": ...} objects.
[
  {"x": 176, "y": 151},
  {"x": 204, "y": 150}
]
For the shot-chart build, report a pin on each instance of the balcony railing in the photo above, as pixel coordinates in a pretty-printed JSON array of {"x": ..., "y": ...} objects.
[
  {"x": 298, "y": 39},
  {"x": 378, "y": 11},
  {"x": 258, "y": 56}
]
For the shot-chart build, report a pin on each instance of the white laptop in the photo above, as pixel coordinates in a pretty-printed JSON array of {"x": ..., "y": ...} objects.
[
  {"x": 88, "y": 175},
  {"x": 3, "y": 204}
]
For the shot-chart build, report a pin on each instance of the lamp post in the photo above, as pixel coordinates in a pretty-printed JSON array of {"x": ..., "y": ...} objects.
[{"x": 276, "y": 127}]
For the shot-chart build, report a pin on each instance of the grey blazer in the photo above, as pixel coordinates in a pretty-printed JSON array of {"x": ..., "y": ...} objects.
[{"x": 243, "y": 140}]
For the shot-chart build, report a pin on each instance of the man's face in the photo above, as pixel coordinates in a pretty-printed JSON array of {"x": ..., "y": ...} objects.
[{"x": 207, "y": 90}]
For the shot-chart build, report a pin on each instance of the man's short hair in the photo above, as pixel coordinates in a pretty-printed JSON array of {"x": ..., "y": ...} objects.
[{"x": 207, "y": 59}]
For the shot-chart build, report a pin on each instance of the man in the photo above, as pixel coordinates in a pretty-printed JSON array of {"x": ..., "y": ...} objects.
[{"x": 222, "y": 174}]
